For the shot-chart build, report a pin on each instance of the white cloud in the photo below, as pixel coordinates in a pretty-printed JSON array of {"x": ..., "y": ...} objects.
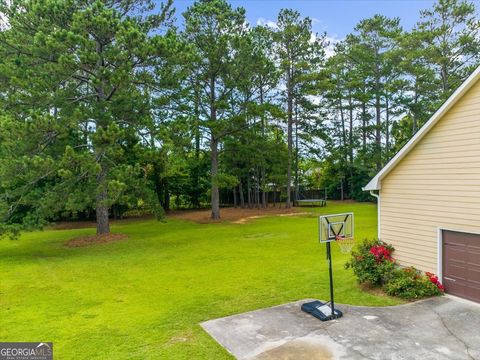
[
  {"x": 265, "y": 22},
  {"x": 332, "y": 41},
  {"x": 4, "y": 25}
]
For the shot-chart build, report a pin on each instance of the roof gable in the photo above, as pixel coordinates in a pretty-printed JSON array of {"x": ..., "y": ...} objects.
[{"x": 375, "y": 183}]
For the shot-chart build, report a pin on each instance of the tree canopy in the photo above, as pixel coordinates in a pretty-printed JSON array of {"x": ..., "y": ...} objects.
[{"x": 108, "y": 108}]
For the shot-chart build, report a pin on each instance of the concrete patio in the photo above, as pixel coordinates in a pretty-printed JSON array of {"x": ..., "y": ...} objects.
[{"x": 438, "y": 328}]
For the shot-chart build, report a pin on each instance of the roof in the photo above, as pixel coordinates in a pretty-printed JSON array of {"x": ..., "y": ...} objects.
[{"x": 376, "y": 182}]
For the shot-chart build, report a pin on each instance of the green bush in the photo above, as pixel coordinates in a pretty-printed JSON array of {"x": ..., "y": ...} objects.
[
  {"x": 372, "y": 263},
  {"x": 410, "y": 283}
]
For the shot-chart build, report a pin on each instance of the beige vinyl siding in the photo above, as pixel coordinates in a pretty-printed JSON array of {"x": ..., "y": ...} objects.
[{"x": 436, "y": 185}]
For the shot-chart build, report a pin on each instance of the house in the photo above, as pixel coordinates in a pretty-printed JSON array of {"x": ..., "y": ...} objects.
[{"x": 429, "y": 195}]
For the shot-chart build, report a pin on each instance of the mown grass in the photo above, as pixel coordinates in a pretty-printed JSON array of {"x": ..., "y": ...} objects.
[{"x": 144, "y": 297}]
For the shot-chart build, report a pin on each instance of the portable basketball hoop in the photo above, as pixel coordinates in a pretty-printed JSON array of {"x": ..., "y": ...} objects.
[{"x": 338, "y": 228}]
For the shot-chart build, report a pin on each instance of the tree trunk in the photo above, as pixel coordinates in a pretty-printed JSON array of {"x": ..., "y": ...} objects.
[
  {"x": 263, "y": 187},
  {"x": 387, "y": 129},
  {"x": 234, "y": 196},
  {"x": 364, "y": 127},
  {"x": 249, "y": 193},
  {"x": 101, "y": 206},
  {"x": 166, "y": 196},
  {"x": 350, "y": 144},
  {"x": 341, "y": 189},
  {"x": 256, "y": 195},
  {"x": 378, "y": 132},
  {"x": 196, "y": 174},
  {"x": 215, "y": 196},
  {"x": 103, "y": 226},
  {"x": 242, "y": 197},
  {"x": 344, "y": 131},
  {"x": 415, "y": 113},
  {"x": 289, "y": 135},
  {"x": 350, "y": 130},
  {"x": 378, "y": 127},
  {"x": 444, "y": 76},
  {"x": 263, "y": 171},
  {"x": 297, "y": 185}
]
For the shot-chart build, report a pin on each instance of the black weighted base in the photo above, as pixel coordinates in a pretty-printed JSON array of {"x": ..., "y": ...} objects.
[{"x": 314, "y": 308}]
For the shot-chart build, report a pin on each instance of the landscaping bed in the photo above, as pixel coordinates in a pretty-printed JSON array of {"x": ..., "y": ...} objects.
[{"x": 374, "y": 266}]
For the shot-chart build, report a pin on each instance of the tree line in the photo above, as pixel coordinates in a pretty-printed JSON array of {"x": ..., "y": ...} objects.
[{"x": 107, "y": 107}]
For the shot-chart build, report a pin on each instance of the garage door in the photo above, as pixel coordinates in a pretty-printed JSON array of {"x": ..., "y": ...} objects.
[{"x": 461, "y": 264}]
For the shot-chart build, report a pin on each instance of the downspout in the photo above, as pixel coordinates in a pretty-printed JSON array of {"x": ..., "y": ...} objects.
[{"x": 378, "y": 210}]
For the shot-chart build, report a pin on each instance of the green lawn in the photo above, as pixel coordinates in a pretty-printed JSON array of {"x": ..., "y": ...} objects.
[{"x": 143, "y": 298}]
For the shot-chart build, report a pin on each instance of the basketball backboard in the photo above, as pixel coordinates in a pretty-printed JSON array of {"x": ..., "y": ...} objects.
[{"x": 334, "y": 226}]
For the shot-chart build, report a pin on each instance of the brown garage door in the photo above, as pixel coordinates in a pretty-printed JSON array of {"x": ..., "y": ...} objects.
[{"x": 461, "y": 264}]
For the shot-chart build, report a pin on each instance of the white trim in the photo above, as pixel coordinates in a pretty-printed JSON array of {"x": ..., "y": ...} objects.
[
  {"x": 375, "y": 183},
  {"x": 474, "y": 232},
  {"x": 440, "y": 254},
  {"x": 378, "y": 213}
]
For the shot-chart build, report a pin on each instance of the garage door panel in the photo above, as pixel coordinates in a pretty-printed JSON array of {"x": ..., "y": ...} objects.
[
  {"x": 472, "y": 293},
  {"x": 456, "y": 272},
  {"x": 456, "y": 253},
  {"x": 455, "y": 288},
  {"x": 455, "y": 266},
  {"x": 461, "y": 264}
]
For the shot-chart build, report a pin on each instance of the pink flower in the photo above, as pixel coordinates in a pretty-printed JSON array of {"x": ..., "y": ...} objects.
[
  {"x": 381, "y": 253},
  {"x": 434, "y": 279}
]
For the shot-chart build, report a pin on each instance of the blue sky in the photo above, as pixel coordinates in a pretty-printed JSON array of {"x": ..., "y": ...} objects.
[{"x": 336, "y": 17}]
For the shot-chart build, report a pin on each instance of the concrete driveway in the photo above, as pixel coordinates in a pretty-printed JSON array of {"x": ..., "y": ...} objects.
[{"x": 438, "y": 328}]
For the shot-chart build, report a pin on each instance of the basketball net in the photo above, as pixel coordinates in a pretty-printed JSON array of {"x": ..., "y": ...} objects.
[{"x": 346, "y": 244}]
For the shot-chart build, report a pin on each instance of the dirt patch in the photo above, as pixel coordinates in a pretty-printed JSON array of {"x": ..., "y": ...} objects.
[
  {"x": 230, "y": 214},
  {"x": 246, "y": 219},
  {"x": 236, "y": 215},
  {"x": 70, "y": 225},
  {"x": 94, "y": 239},
  {"x": 377, "y": 292}
]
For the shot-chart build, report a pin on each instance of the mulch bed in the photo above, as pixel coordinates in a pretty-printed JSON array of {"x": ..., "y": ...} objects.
[{"x": 94, "y": 239}]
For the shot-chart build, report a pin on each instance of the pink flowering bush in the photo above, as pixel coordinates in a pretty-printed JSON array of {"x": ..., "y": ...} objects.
[
  {"x": 381, "y": 253},
  {"x": 373, "y": 264},
  {"x": 410, "y": 284},
  {"x": 434, "y": 280}
]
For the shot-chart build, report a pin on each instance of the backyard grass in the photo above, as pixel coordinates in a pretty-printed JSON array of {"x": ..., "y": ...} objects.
[{"x": 144, "y": 297}]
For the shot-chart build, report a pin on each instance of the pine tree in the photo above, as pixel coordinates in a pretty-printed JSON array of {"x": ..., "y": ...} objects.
[
  {"x": 215, "y": 30},
  {"x": 450, "y": 31},
  {"x": 299, "y": 53},
  {"x": 78, "y": 74}
]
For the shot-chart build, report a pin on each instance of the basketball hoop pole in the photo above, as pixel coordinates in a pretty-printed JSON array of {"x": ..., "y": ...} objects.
[
  {"x": 330, "y": 274},
  {"x": 334, "y": 227}
]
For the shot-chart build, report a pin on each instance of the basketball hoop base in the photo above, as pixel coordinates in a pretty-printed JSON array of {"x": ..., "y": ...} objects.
[{"x": 321, "y": 311}]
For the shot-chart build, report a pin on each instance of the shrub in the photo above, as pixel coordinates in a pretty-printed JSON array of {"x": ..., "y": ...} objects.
[
  {"x": 410, "y": 283},
  {"x": 372, "y": 262}
]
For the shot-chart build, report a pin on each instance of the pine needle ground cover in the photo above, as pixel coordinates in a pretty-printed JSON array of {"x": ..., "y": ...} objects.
[{"x": 143, "y": 297}]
